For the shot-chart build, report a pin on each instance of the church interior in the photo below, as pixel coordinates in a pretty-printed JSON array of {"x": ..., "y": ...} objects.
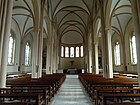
[{"x": 69, "y": 52}]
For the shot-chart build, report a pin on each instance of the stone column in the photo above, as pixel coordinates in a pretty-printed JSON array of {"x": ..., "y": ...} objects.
[
  {"x": 55, "y": 53},
  {"x": 93, "y": 58},
  {"x": 86, "y": 56},
  {"x": 136, "y": 19},
  {"x": 96, "y": 59},
  {"x": 49, "y": 50},
  {"x": 48, "y": 59},
  {"x": 6, "y": 32},
  {"x": 90, "y": 60},
  {"x": 35, "y": 66},
  {"x": 107, "y": 51},
  {"x": 3, "y": 14},
  {"x": 52, "y": 52},
  {"x": 92, "y": 50},
  {"x": 40, "y": 48},
  {"x": 109, "y": 57}
]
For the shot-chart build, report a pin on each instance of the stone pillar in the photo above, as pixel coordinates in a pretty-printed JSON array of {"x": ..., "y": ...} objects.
[
  {"x": 49, "y": 50},
  {"x": 107, "y": 51},
  {"x": 93, "y": 57},
  {"x": 90, "y": 61},
  {"x": 40, "y": 49},
  {"x": 48, "y": 59},
  {"x": 35, "y": 66},
  {"x": 109, "y": 57},
  {"x": 92, "y": 50},
  {"x": 136, "y": 19},
  {"x": 96, "y": 59},
  {"x": 58, "y": 55},
  {"x": 90, "y": 66},
  {"x": 52, "y": 52},
  {"x": 86, "y": 56},
  {"x": 55, "y": 53},
  {"x": 3, "y": 14},
  {"x": 5, "y": 33}
]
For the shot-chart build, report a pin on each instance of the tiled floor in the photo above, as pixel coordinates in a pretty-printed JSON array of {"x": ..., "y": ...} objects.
[{"x": 71, "y": 93}]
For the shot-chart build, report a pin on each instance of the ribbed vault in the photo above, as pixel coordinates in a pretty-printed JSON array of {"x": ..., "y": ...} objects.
[{"x": 72, "y": 18}]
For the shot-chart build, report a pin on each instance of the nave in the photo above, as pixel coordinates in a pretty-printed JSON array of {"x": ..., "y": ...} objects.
[{"x": 71, "y": 93}]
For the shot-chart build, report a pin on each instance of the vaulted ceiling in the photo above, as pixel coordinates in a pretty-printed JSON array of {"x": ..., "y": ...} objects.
[
  {"x": 120, "y": 15},
  {"x": 72, "y": 18}
]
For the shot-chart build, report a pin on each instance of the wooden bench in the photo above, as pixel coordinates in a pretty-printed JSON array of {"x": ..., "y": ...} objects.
[
  {"x": 120, "y": 96},
  {"x": 108, "y": 85},
  {"x": 16, "y": 90},
  {"x": 14, "y": 103},
  {"x": 126, "y": 103},
  {"x": 101, "y": 91},
  {"x": 31, "y": 98},
  {"x": 47, "y": 82},
  {"x": 45, "y": 89}
]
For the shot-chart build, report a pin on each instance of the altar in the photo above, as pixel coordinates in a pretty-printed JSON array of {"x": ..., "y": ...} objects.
[{"x": 72, "y": 71}]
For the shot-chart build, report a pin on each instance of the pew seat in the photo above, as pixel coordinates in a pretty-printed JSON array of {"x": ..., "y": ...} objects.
[
  {"x": 14, "y": 103},
  {"x": 32, "y": 98},
  {"x": 126, "y": 103},
  {"x": 119, "y": 97}
]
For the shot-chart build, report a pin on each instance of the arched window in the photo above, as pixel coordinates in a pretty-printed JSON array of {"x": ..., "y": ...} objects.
[
  {"x": 133, "y": 49},
  {"x": 71, "y": 51},
  {"x": 62, "y": 51},
  {"x": 66, "y": 51},
  {"x": 117, "y": 54},
  {"x": 27, "y": 54},
  {"x": 77, "y": 51},
  {"x": 11, "y": 50},
  {"x": 81, "y": 48}
]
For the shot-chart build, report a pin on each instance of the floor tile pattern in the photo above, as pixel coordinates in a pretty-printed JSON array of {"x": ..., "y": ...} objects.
[{"x": 71, "y": 93}]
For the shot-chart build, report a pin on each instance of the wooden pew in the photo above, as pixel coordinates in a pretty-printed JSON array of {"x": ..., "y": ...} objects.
[
  {"x": 14, "y": 103},
  {"x": 92, "y": 82},
  {"x": 45, "y": 89},
  {"x": 101, "y": 91},
  {"x": 9, "y": 92},
  {"x": 24, "y": 97},
  {"x": 49, "y": 82},
  {"x": 126, "y": 103},
  {"x": 118, "y": 96}
]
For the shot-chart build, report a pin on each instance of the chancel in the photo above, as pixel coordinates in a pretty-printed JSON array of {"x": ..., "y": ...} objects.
[{"x": 69, "y": 52}]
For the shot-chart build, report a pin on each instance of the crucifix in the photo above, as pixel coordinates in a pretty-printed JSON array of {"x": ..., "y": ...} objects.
[{"x": 72, "y": 63}]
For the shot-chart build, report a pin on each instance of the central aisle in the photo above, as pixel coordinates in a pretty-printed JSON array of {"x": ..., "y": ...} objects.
[{"x": 71, "y": 93}]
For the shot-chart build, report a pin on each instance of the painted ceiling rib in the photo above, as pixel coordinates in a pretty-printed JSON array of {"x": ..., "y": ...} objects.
[
  {"x": 66, "y": 28},
  {"x": 119, "y": 25},
  {"x": 70, "y": 14},
  {"x": 124, "y": 13},
  {"x": 116, "y": 30},
  {"x": 71, "y": 21},
  {"x": 113, "y": 8},
  {"x": 21, "y": 7},
  {"x": 86, "y": 6},
  {"x": 122, "y": 6},
  {"x": 127, "y": 24},
  {"x": 22, "y": 15},
  {"x": 70, "y": 31},
  {"x": 25, "y": 24},
  {"x": 56, "y": 8},
  {"x": 70, "y": 8},
  {"x": 28, "y": 31},
  {"x": 17, "y": 25}
]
